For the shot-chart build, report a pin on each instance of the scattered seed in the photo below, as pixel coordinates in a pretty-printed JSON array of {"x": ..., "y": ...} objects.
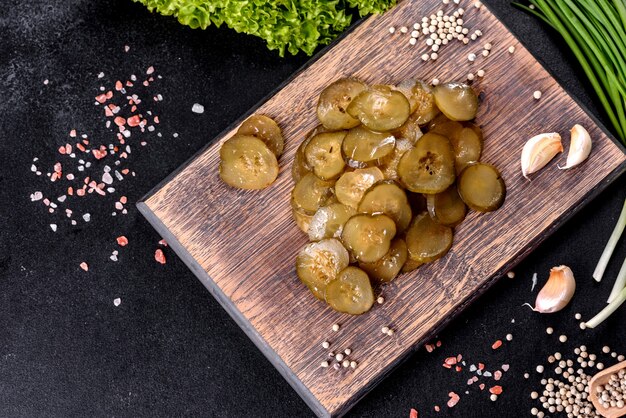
[
  {"x": 347, "y": 351},
  {"x": 380, "y": 300},
  {"x": 335, "y": 327},
  {"x": 537, "y": 94},
  {"x": 324, "y": 364},
  {"x": 540, "y": 369},
  {"x": 353, "y": 364},
  {"x": 392, "y": 29},
  {"x": 325, "y": 344},
  {"x": 549, "y": 330},
  {"x": 509, "y": 337},
  {"x": 563, "y": 338}
]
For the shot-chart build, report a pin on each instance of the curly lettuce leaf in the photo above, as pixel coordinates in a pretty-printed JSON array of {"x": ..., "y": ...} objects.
[{"x": 285, "y": 25}]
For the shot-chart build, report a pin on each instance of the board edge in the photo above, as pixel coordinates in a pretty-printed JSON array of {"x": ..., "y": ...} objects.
[
  {"x": 592, "y": 116},
  {"x": 482, "y": 289},
  {"x": 276, "y": 361},
  {"x": 152, "y": 191}
]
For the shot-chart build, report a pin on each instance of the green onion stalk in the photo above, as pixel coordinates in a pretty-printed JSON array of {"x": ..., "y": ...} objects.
[{"x": 595, "y": 31}]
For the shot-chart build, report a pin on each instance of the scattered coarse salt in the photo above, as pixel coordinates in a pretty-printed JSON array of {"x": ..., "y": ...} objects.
[
  {"x": 511, "y": 49},
  {"x": 53, "y": 227},
  {"x": 122, "y": 241},
  {"x": 159, "y": 256},
  {"x": 84, "y": 266},
  {"x": 126, "y": 48},
  {"x": 197, "y": 108},
  {"x": 384, "y": 330},
  {"x": 534, "y": 281},
  {"x": 324, "y": 364},
  {"x": 36, "y": 196},
  {"x": 117, "y": 301}
]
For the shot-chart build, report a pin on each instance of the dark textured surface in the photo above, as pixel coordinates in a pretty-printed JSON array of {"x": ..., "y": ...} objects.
[{"x": 169, "y": 349}]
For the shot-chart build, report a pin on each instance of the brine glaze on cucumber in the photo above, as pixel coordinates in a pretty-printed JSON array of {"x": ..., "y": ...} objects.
[{"x": 381, "y": 183}]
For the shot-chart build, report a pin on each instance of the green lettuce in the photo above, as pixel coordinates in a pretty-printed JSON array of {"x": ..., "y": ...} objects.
[{"x": 285, "y": 25}]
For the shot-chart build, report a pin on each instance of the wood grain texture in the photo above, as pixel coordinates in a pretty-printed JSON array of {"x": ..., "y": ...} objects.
[{"x": 242, "y": 245}]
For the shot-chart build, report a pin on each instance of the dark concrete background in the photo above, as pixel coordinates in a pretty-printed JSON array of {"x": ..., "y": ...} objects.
[{"x": 169, "y": 349}]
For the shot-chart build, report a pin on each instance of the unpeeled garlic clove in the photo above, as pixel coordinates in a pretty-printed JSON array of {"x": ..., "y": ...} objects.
[
  {"x": 539, "y": 150},
  {"x": 557, "y": 292},
  {"x": 579, "y": 147}
]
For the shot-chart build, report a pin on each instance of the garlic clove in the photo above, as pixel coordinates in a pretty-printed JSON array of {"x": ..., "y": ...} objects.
[
  {"x": 539, "y": 150},
  {"x": 557, "y": 292},
  {"x": 579, "y": 148}
]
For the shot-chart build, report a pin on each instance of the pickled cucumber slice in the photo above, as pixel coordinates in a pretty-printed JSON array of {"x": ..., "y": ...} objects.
[
  {"x": 368, "y": 237},
  {"x": 468, "y": 146},
  {"x": 310, "y": 193},
  {"x": 266, "y": 130},
  {"x": 319, "y": 263},
  {"x": 421, "y": 100},
  {"x": 457, "y": 101},
  {"x": 481, "y": 187},
  {"x": 380, "y": 108},
  {"x": 302, "y": 220},
  {"x": 352, "y": 185},
  {"x": 351, "y": 292},
  {"x": 443, "y": 126},
  {"x": 328, "y": 221},
  {"x": 247, "y": 163},
  {"x": 333, "y": 102},
  {"x": 390, "y": 199},
  {"x": 410, "y": 265},
  {"x": 300, "y": 167},
  {"x": 388, "y": 267},
  {"x": 447, "y": 207},
  {"x": 389, "y": 164},
  {"x": 363, "y": 146},
  {"x": 429, "y": 167},
  {"x": 323, "y": 155},
  {"x": 427, "y": 240},
  {"x": 409, "y": 130}
]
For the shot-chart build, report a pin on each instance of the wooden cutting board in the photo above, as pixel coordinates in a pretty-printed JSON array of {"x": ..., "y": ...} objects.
[{"x": 242, "y": 245}]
